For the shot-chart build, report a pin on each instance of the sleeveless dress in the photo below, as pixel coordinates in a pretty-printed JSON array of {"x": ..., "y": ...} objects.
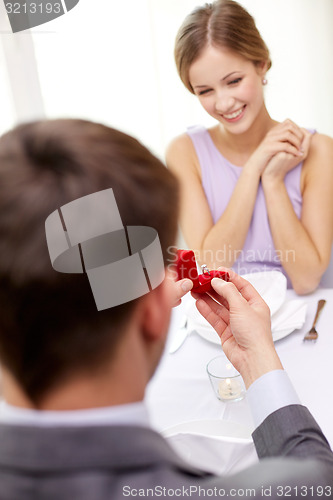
[{"x": 219, "y": 178}]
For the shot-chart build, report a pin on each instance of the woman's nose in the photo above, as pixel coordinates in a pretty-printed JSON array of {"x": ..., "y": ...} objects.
[{"x": 224, "y": 103}]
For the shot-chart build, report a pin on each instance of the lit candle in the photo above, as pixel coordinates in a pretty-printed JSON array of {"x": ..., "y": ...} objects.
[{"x": 230, "y": 388}]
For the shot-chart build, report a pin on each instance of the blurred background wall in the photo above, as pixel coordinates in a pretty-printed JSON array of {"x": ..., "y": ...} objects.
[{"x": 112, "y": 61}]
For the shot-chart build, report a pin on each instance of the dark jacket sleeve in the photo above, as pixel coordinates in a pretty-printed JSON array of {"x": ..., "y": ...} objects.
[
  {"x": 292, "y": 432},
  {"x": 295, "y": 459}
]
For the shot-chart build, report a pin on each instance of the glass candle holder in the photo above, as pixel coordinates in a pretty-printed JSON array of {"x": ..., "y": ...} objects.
[{"x": 225, "y": 380}]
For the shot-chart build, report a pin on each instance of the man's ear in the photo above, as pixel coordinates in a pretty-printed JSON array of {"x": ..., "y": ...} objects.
[{"x": 156, "y": 311}]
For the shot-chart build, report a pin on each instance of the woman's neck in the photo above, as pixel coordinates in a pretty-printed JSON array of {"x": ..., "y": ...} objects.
[{"x": 248, "y": 141}]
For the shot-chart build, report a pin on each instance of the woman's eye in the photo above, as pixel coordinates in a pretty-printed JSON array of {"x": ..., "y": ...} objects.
[
  {"x": 237, "y": 80},
  {"x": 203, "y": 92}
]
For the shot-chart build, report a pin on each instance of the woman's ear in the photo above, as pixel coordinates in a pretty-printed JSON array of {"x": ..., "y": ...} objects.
[{"x": 262, "y": 68}]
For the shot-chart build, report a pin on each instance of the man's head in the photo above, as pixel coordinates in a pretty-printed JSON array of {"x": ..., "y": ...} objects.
[{"x": 49, "y": 325}]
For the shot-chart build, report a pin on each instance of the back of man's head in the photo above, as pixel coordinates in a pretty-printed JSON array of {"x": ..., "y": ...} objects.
[{"x": 49, "y": 324}]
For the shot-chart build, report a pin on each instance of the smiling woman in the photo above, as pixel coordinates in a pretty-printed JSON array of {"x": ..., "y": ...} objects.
[
  {"x": 232, "y": 89},
  {"x": 251, "y": 185}
]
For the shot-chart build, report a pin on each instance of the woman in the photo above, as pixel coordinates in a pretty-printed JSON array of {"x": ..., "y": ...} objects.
[{"x": 256, "y": 194}]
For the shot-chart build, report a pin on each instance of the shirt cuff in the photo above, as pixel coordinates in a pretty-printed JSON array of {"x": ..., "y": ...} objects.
[{"x": 269, "y": 393}]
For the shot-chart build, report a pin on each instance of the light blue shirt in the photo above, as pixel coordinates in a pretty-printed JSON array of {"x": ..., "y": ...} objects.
[
  {"x": 266, "y": 395},
  {"x": 128, "y": 414},
  {"x": 269, "y": 393}
]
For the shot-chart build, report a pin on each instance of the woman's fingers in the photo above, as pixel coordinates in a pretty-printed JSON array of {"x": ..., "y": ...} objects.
[
  {"x": 306, "y": 142},
  {"x": 293, "y": 139},
  {"x": 290, "y": 133},
  {"x": 288, "y": 148}
]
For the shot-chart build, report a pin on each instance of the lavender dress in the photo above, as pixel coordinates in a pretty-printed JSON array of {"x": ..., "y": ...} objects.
[{"x": 219, "y": 178}]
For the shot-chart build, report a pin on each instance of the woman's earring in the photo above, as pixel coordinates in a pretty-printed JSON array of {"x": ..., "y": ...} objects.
[{"x": 264, "y": 81}]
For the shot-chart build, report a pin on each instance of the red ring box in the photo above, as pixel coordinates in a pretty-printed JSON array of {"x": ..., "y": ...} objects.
[{"x": 187, "y": 268}]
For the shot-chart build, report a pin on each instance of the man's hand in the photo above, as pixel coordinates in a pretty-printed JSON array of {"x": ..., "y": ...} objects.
[
  {"x": 179, "y": 289},
  {"x": 242, "y": 320}
]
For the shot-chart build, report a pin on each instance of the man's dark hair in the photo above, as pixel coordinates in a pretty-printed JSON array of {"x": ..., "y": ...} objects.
[{"x": 49, "y": 325}]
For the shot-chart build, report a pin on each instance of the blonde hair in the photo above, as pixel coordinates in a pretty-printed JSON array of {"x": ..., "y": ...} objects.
[{"x": 224, "y": 24}]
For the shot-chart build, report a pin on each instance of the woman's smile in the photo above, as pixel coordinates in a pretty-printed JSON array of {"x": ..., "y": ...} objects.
[{"x": 235, "y": 115}]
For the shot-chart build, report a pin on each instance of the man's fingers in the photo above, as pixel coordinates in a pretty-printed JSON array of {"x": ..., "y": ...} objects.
[
  {"x": 217, "y": 298},
  {"x": 181, "y": 288},
  {"x": 244, "y": 287},
  {"x": 185, "y": 285},
  {"x": 228, "y": 291},
  {"x": 214, "y": 295},
  {"x": 215, "y": 307},
  {"x": 214, "y": 319}
]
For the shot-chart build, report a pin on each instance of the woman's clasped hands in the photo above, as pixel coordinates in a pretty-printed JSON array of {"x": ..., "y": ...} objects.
[{"x": 284, "y": 146}]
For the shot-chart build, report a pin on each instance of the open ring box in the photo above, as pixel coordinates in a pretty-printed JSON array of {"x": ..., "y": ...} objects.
[{"x": 187, "y": 268}]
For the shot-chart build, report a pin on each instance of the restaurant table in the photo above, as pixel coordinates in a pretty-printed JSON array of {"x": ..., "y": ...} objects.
[{"x": 180, "y": 390}]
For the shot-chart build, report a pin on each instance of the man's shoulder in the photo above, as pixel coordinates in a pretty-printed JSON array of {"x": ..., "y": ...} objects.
[{"x": 119, "y": 461}]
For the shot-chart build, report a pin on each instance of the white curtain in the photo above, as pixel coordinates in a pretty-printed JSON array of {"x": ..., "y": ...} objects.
[{"x": 112, "y": 61}]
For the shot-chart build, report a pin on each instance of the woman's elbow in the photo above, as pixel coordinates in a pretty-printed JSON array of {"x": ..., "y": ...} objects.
[
  {"x": 305, "y": 284},
  {"x": 304, "y": 288}
]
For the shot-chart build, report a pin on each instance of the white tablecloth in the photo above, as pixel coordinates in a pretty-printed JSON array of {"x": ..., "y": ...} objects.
[{"x": 180, "y": 390}]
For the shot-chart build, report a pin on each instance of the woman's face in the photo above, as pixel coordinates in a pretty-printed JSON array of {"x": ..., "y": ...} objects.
[{"x": 229, "y": 87}]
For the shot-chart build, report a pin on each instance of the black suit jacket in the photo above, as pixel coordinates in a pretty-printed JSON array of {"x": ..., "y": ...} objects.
[{"x": 118, "y": 462}]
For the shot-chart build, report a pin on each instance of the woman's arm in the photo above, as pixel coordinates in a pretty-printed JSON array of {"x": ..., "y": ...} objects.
[
  {"x": 217, "y": 244},
  {"x": 221, "y": 243},
  {"x": 304, "y": 245}
]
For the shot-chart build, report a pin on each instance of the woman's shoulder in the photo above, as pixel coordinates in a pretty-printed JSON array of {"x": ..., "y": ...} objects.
[
  {"x": 187, "y": 138},
  {"x": 321, "y": 143},
  {"x": 320, "y": 158},
  {"x": 180, "y": 154},
  {"x": 178, "y": 146},
  {"x": 179, "y": 141},
  {"x": 321, "y": 148}
]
